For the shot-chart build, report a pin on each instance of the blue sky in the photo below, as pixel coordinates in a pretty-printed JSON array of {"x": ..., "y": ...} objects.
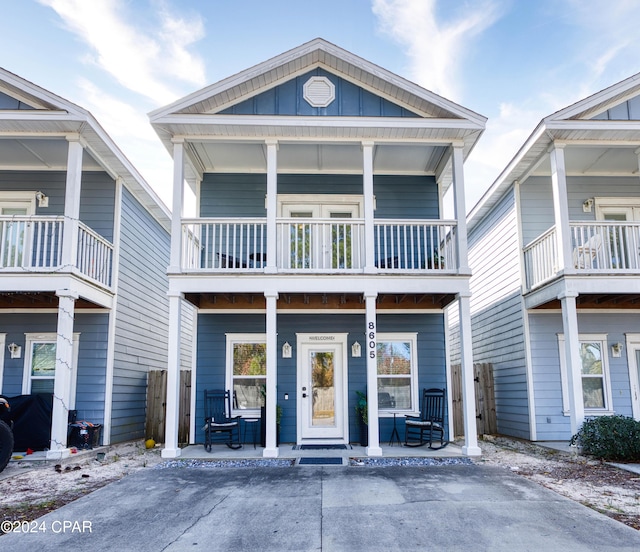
[{"x": 513, "y": 61}]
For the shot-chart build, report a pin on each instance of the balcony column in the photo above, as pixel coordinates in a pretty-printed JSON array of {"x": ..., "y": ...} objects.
[
  {"x": 470, "y": 447},
  {"x": 171, "y": 449},
  {"x": 459, "y": 207},
  {"x": 72, "y": 202},
  {"x": 561, "y": 208},
  {"x": 367, "y": 190},
  {"x": 572, "y": 358},
  {"x": 372, "y": 375},
  {"x": 64, "y": 371},
  {"x": 175, "y": 263},
  {"x": 271, "y": 448},
  {"x": 272, "y": 205}
]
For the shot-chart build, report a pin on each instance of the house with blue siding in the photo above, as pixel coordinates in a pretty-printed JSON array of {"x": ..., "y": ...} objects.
[
  {"x": 319, "y": 261},
  {"x": 84, "y": 247},
  {"x": 554, "y": 246}
]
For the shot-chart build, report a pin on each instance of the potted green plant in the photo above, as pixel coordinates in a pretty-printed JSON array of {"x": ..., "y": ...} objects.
[
  {"x": 263, "y": 427},
  {"x": 362, "y": 416}
]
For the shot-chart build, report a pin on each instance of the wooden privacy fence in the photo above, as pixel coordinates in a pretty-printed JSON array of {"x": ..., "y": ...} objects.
[
  {"x": 485, "y": 399},
  {"x": 156, "y": 405}
]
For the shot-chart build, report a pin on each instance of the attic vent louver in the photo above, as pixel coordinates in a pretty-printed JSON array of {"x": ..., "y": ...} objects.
[{"x": 319, "y": 91}]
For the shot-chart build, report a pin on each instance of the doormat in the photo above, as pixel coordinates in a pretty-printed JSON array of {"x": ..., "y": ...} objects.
[
  {"x": 321, "y": 461},
  {"x": 321, "y": 447}
]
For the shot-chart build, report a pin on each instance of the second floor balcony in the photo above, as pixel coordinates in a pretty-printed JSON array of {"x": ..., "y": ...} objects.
[
  {"x": 34, "y": 244},
  {"x": 597, "y": 248},
  {"x": 329, "y": 245}
]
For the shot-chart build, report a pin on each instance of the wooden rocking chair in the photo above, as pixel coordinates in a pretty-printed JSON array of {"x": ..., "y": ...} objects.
[
  {"x": 218, "y": 422},
  {"x": 420, "y": 430}
]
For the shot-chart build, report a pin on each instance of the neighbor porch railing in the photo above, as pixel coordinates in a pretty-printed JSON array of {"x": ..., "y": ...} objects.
[
  {"x": 34, "y": 244},
  {"x": 318, "y": 245},
  {"x": 596, "y": 247}
]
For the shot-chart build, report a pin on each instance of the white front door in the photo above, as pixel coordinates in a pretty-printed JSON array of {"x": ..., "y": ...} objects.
[
  {"x": 633, "y": 358},
  {"x": 322, "y": 401}
]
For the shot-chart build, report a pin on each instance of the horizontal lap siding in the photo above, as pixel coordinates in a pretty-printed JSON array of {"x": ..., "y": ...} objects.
[
  {"x": 142, "y": 316},
  {"x": 211, "y": 356},
  {"x": 497, "y": 315},
  {"x": 544, "y": 330},
  {"x": 97, "y": 195},
  {"x": 92, "y": 356}
]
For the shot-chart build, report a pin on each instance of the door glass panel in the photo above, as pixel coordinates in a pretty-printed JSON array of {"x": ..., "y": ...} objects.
[
  {"x": 301, "y": 242},
  {"x": 638, "y": 367},
  {"x": 341, "y": 241},
  {"x": 12, "y": 237},
  {"x": 323, "y": 389}
]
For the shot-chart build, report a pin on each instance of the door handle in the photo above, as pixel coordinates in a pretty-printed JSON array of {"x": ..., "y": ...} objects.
[{"x": 304, "y": 395}]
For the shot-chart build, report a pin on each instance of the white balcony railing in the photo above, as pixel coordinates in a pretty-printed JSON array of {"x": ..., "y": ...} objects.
[
  {"x": 318, "y": 245},
  {"x": 95, "y": 255},
  {"x": 599, "y": 247},
  {"x": 34, "y": 244}
]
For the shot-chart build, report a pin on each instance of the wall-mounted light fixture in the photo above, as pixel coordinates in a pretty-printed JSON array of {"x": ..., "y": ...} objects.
[
  {"x": 616, "y": 350},
  {"x": 286, "y": 350},
  {"x": 587, "y": 204},
  {"x": 15, "y": 350},
  {"x": 356, "y": 350},
  {"x": 43, "y": 200}
]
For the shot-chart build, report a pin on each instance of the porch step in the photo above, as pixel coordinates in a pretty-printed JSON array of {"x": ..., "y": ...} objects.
[{"x": 321, "y": 461}]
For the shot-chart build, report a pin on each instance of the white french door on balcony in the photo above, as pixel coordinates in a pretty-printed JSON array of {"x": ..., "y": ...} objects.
[
  {"x": 623, "y": 240},
  {"x": 324, "y": 237},
  {"x": 12, "y": 232}
]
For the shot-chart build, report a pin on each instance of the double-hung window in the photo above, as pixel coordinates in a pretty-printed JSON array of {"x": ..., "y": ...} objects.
[
  {"x": 594, "y": 374},
  {"x": 397, "y": 372},
  {"x": 247, "y": 371},
  {"x": 40, "y": 364}
]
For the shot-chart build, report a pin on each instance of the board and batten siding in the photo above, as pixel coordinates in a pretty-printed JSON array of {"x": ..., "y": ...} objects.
[
  {"x": 497, "y": 313},
  {"x": 142, "y": 315},
  {"x": 211, "y": 356},
  {"x": 288, "y": 99},
  {"x": 92, "y": 356},
  {"x": 544, "y": 328}
]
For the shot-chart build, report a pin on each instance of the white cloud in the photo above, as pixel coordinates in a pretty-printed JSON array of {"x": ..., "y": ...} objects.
[
  {"x": 140, "y": 61},
  {"x": 435, "y": 49}
]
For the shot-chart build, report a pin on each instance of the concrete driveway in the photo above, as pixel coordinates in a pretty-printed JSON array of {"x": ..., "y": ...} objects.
[{"x": 324, "y": 508}]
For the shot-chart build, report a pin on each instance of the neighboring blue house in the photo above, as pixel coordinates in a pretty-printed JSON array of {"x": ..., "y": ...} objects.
[
  {"x": 319, "y": 261},
  {"x": 554, "y": 246},
  {"x": 84, "y": 247}
]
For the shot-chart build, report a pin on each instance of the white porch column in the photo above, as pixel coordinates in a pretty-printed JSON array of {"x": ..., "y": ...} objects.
[
  {"x": 72, "y": 203},
  {"x": 572, "y": 358},
  {"x": 171, "y": 449},
  {"x": 271, "y": 448},
  {"x": 459, "y": 206},
  {"x": 272, "y": 205},
  {"x": 175, "y": 263},
  {"x": 367, "y": 190},
  {"x": 470, "y": 447},
  {"x": 64, "y": 371},
  {"x": 372, "y": 375},
  {"x": 561, "y": 208}
]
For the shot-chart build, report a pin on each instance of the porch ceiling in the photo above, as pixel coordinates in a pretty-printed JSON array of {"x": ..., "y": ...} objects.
[
  {"x": 319, "y": 301},
  {"x": 36, "y": 300},
  {"x": 315, "y": 157},
  {"x": 620, "y": 301},
  {"x": 25, "y": 153},
  {"x": 596, "y": 160}
]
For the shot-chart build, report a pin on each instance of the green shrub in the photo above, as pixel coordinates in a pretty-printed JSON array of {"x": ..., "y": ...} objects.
[{"x": 610, "y": 438}]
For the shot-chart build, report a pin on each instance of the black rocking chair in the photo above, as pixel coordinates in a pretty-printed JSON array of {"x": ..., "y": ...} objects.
[
  {"x": 420, "y": 430},
  {"x": 218, "y": 422}
]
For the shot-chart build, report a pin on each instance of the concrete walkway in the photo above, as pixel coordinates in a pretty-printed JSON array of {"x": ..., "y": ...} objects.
[{"x": 325, "y": 508}]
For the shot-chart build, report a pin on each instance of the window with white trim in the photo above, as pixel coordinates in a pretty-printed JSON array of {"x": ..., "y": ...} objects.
[
  {"x": 40, "y": 364},
  {"x": 247, "y": 370},
  {"x": 397, "y": 371},
  {"x": 594, "y": 374}
]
